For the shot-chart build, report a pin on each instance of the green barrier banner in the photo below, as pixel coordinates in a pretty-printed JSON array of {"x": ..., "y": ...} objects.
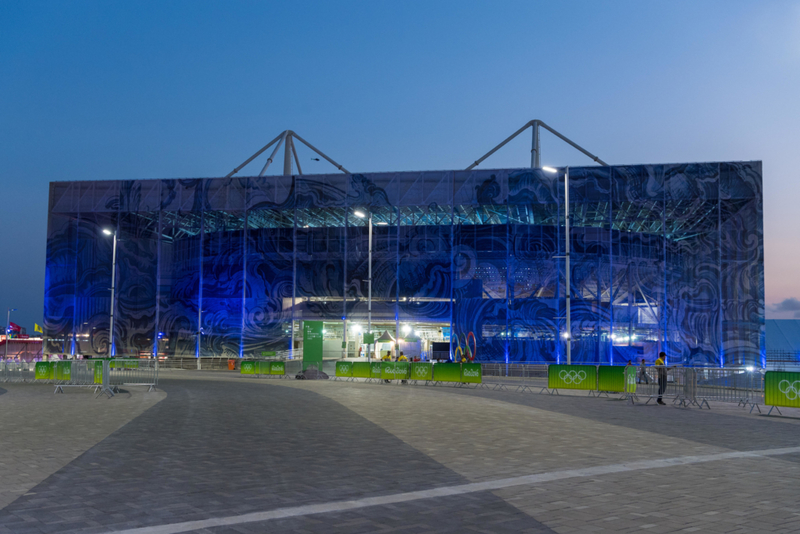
[
  {"x": 248, "y": 368},
  {"x": 42, "y": 371},
  {"x": 611, "y": 378},
  {"x": 375, "y": 370},
  {"x": 124, "y": 365},
  {"x": 361, "y": 370},
  {"x": 344, "y": 369},
  {"x": 63, "y": 370},
  {"x": 471, "y": 373},
  {"x": 630, "y": 379},
  {"x": 312, "y": 344},
  {"x": 277, "y": 368},
  {"x": 447, "y": 372},
  {"x": 394, "y": 370},
  {"x": 572, "y": 377},
  {"x": 421, "y": 371},
  {"x": 780, "y": 389},
  {"x": 262, "y": 368},
  {"x": 98, "y": 372}
]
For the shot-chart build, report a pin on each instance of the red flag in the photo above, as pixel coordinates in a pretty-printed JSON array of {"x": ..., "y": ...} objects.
[{"x": 13, "y": 327}]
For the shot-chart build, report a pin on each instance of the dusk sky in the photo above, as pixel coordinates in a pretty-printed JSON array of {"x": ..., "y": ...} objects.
[{"x": 125, "y": 90}]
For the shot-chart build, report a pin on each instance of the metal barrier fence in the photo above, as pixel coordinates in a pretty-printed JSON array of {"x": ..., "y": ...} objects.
[
  {"x": 517, "y": 376},
  {"x": 133, "y": 373},
  {"x": 17, "y": 371},
  {"x": 685, "y": 385}
]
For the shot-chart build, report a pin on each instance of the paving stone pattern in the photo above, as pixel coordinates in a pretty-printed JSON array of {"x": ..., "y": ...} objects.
[
  {"x": 41, "y": 432},
  {"x": 221, "y": 445},
  {"x": 215, "y": 448}
]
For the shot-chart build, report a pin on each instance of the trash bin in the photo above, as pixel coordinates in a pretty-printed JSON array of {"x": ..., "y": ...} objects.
[{"x": 231, "y": 365}]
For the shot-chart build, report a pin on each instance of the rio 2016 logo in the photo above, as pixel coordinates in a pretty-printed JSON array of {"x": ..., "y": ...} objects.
[
  {"x": 791, "y": 390},
  {"x": 473, "y": 373},
  {"x": 572, "y": 377}
]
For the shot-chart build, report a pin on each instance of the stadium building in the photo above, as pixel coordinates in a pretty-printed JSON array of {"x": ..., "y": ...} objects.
[{"x": 663, "y": 257}]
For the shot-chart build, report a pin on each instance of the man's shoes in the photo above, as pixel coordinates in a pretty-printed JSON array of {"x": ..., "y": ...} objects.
[{"x": 661, "y": 402}]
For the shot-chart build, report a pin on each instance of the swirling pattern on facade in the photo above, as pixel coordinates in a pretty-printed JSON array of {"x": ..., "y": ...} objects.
[{"x": 664, "y": 257}]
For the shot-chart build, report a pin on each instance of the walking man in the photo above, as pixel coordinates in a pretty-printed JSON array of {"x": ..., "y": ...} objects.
[
  {"x": 643, "y": 373},
  {"x": 661, "y": 369}
]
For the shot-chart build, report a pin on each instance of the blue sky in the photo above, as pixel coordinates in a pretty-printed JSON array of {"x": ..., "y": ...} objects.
[{"x": 102, "y": 90}]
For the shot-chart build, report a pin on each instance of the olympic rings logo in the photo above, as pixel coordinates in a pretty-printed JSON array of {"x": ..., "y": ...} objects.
[
  {"x": 572, "y": 377},
  {"x": 420, "y": 371},
  {"x": 790, "y": 389}
]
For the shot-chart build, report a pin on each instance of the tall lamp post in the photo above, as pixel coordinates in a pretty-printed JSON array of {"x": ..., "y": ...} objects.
[
  {"x": 8, "y": 331},
  {"x": 568, "y": 333},
  {"x": 106, "y": 231},
  {"x": 361, "y": 215}
]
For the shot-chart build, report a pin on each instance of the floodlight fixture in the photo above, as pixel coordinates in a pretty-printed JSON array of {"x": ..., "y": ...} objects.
[
  {"x": 107, "y": 231},
  {"x": 360, "y": 214},
  {"x": 549, "y": 169}
]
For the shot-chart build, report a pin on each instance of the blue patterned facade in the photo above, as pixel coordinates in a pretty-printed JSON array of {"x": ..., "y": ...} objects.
[{"x": 664, "y": 257}]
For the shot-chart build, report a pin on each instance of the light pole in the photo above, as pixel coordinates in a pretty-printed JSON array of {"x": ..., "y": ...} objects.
[
  {"x": 8, "y": 331},
  {"x": 361, "y": 215},
  {"x": 568, "y": 333},
  {"x": 106, "y": 231}
]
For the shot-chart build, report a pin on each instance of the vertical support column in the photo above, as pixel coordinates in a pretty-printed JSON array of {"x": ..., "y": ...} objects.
[
  {"x": 111, "y": 351},
  {"x": 721, "y": 346},
  {"x": 662, "y": 331},
  {"x": 397, "y": 286},
  {"x": 287, "y": 156},
  {"x": 507, "y": 343},
  {"x": 157, "y": 333},
  {"x": 452, "y": 261},
  {"x": 611, "y": 269},
  {"x": 74, "y": 293},
  {"x": 244, "y": 272},
  {"x": 294, "y": 273},
  {"x": 369, "y": 279},
  {"x": 344, "y": 269},
  {"x": 200, "y": 296},
  {"x": 535, "y": 144},
  {"x": 567, "y": 242}
]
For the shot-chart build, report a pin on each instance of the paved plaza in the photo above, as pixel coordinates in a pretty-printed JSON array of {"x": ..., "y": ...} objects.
[{"x": 214, "y": 452}]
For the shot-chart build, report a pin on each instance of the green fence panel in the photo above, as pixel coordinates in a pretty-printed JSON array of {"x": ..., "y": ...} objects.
[
  {"x": 64, "y": 371},
  {"x": 98, "y": 372},
  {"x": 394, "y": 370},
  {"x": 344, "y": 369},
  {"x": 447, "y": 372},
  {"x": 248, "y": 367},
  {"x": 611, "y": 378},
  {"x": 277, "y": 368},
  {"x": 780, "y": 389},
  {"x": 572, "y": 377},
  {"x": 361, "y": 370},
  {"x": 471, "y": 373},
  {"x": 421, "y": 371},
  {"x": 630, "y": 379},
  {"x": 43, "y": 371},
  {"x": 375, "y": 369},
  {"x": 116, "y": 364}
]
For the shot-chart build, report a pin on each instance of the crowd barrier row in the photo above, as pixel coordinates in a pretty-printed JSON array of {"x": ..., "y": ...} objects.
[
  {"x": 687, "y": 386},
  {"x": 103, "y": 375}
]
